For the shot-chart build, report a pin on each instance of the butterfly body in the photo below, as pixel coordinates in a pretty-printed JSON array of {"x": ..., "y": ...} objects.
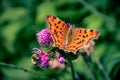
[{"x": 67, "y": 37}]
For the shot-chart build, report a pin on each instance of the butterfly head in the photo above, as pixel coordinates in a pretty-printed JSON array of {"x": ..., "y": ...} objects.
[{"x": 69, "y": 25}]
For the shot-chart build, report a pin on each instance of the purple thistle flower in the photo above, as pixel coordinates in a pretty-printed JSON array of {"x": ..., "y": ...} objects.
[
  {"x": 60, "y": 58},
  {"x": 43, "y": 58},
  {"x": 43, "y": 64},
  {"x": 44, "y": 37}
]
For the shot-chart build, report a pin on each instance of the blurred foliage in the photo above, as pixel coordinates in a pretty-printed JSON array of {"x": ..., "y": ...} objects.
[{"x": 20, "y": 20}]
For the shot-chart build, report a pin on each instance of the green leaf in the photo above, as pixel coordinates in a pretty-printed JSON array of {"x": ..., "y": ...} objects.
[
  {"x": 16, "y": 73},
  {"x": 9, "y": 33},
  {"x": 94, "y": 21},
  {"x": 47, "y": 8},
  {"x": 12, "y": 14}
]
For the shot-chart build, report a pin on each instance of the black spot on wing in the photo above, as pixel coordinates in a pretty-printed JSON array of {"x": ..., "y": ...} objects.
[
  {"x": 60, "y": 28},
  {"x": 60, "y": 32},
  {"x": 83, "y": 36},
  {"x": 82, "y": 41},
  {"x": 77, "y": 38},
  {"x": 59, "y": 22},
  {"x": 91, "y": 30},
  {"x": 63, "y": 25},
  {"x": 80, "y": 31},
  {"x": 55, "y": 24},
  {"x": 85, "y": 31},
  {"x": 79, "y": 42},
  {"x": 55, "y": 32},
  {"x": 87, "y": 35}
]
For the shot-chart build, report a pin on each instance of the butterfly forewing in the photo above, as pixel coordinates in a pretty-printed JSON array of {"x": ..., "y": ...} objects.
[{"x": 58, "y": 30}]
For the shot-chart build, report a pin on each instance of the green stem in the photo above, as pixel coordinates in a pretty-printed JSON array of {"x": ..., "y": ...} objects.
[
  {"x": 93, "y": 10},
  {"x": 72, "y": 69},
  {"x": 89, "y": 7},
  {"x": 70, "y": 63},
  {"x": 91, "y": 72},
  {"x": 89, "y": 68},
  {"x": 22, "y": 69},
  {"x": 100, "y": 66}
]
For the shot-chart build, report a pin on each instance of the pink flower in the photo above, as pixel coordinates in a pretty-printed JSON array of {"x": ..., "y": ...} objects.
[
  {"x": 60, "y": 58},
  {"x": 88, "y": 48},
  {"x": 44, "y": 37},
  {"x": 54, "y": 64}
]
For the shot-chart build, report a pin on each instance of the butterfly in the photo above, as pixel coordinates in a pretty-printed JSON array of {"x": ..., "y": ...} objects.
[{"x": 67, "y": 37}]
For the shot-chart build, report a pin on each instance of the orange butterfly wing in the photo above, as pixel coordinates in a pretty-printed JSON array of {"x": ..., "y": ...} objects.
[
  {"x": 58, "y": 30},
  {"x": 81, "y": 38}
]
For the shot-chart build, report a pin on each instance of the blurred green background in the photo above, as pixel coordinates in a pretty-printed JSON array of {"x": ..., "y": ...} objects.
[{"x": 20, "y": 20}]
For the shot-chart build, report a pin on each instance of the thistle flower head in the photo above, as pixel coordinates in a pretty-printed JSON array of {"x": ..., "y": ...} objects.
[{"x": 44, "y": 37}]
